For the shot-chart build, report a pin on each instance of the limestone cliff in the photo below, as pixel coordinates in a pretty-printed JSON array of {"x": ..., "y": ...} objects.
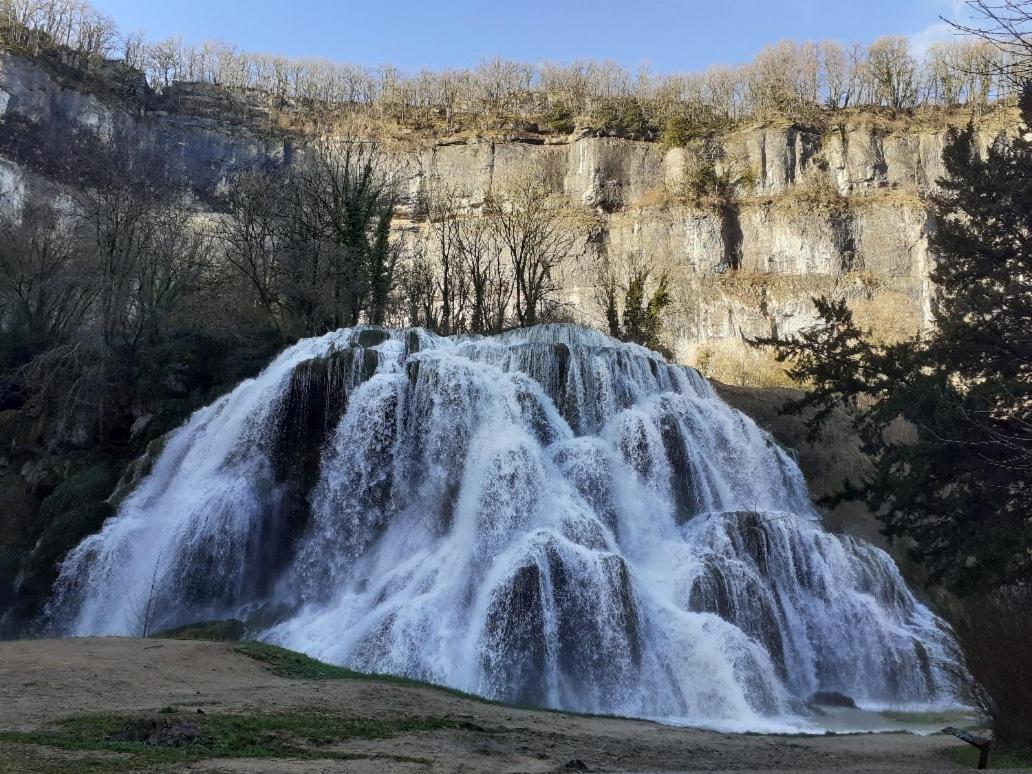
[{"x": 841, "y": 209}]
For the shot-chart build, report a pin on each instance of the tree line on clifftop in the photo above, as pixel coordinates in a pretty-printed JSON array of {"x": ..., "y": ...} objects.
[{"x": 803, "y": 81}]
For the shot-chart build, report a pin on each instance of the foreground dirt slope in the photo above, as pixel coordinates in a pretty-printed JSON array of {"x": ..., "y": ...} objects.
[{"x": 44, "y": 681}]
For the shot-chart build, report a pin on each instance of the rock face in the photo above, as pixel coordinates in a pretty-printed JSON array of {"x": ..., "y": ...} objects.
[
  {"x": 839, "y": 211},
  {"x": 207, "y": 139}
]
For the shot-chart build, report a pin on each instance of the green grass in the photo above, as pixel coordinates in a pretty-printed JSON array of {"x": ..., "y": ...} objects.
[
  {"x": 302, "y": 734},
  {"x": 297, "y": 666},
  {"x": 962, "y": 719},
  {"x": 967, "y": 755},
  {"x": 211, "y": 631}
]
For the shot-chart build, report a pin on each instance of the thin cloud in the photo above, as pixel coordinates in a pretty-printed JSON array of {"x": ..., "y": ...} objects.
[{"x": 940, "y": 31}]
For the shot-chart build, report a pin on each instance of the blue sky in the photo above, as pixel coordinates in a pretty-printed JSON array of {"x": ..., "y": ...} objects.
[{"x": 668, "y": 35}]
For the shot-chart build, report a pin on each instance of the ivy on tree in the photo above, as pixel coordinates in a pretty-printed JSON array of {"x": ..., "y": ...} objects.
[{"x": 642, "y": 313}]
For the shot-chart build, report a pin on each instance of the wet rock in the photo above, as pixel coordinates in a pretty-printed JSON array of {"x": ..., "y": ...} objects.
[
  {"x": 412, "y": 344},
  {"x": 516, "y": 623},
  {"x": 832, "y": 699},
  {"x": 370, "y": 337}
]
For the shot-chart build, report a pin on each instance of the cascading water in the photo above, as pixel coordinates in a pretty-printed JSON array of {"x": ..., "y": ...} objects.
[{"x": 548, "y": 517}]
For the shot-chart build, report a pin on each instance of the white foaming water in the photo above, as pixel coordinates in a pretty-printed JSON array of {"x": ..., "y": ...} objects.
[{"x": 547, "y": 517}]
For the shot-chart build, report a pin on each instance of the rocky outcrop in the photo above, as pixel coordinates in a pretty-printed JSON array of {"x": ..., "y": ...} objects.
[
  {"x": 838, "y": 210},
  {"x": 40, "y": 110}
]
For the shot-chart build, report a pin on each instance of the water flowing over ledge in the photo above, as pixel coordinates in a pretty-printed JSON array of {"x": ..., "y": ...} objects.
[{"x": 548, "y": 517}]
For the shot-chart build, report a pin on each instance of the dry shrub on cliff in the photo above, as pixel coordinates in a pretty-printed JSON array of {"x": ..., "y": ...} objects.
[
  {"x": 658, "y": 196},
  {"x": 739, "y": 365},
  {"x": 713, "y": 177},
  {"x": 815, "y": 193}
]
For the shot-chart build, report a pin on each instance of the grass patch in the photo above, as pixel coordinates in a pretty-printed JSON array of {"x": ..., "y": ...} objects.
[
  {"x": 211, "y": 631},
  {"x": 959, "y": 719},
  {"x": 302, "y": 734},
  {"x": 966, "y": 755},
  {"x": 297, "y": 666}
]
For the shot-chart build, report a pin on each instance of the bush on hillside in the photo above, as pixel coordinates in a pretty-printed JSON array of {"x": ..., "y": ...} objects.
[{"x": 995, "y": 636}]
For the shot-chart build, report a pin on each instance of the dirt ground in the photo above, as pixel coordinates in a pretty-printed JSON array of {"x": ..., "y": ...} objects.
[{"x": 43, "y": 681}]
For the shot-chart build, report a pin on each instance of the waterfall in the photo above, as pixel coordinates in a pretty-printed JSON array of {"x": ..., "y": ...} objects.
[{"x": 548, "y": 517}]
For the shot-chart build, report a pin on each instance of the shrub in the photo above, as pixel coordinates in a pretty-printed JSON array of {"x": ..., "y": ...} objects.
[
  {"x": 559, "y": 118},
  {"x": 995, "y": 636},
  {"x": 623, "y": 117},
  {"x": 677, "y": 131},
  {"x": 89, "y": 485},
  {"x": 710, "y": 177}
]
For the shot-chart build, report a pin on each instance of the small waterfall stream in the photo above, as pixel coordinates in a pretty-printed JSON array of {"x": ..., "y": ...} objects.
[{"x": 548, "y": 517}]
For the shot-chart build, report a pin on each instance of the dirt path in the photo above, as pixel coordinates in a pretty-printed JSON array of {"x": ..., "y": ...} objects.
[{"x": 43, "y": 681}]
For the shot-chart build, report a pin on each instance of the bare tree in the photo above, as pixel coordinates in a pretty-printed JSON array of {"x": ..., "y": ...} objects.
[
  {"x": 787, "y": 78},
  {"x": 490, "y": 280},
  {"x": 313, "y": 243},
  {"x": 893, "y": 71},
  {"x": 138, "y": 227},
  {"x": 420, "y": 286},
  {"x": 444, "y": 217},
  {"x": 251, "y": 238},
  {"x": 537, "y": 237},
  {"x": 346, "y": 186},
  {"x": 459, "y": 280},
  {"x": 836, "y": 74},
  {"x": 1007, "y": 26},
  {"x": 165, "y": 63},
  {"x": 46, "y": 290}
]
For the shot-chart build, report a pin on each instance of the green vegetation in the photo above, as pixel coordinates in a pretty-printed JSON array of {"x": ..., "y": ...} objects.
[
  {"x": 960, "y": 489},
  {"x": 213, "y": 631},
  {"x": 297, "y": 666},
  {"x": 966, "y": 755},
  {"x": 643, "y": 315},
  {"x": 678, "y": 130},
  {"x": 623, "y": 117},
  {"x": 932, "y": 718},
  {"x": 166, "y": 738},
  {"x": 713, "y": 178},
  {"x": 642, "y": 318},
  {"x": 559, "y": 118}
]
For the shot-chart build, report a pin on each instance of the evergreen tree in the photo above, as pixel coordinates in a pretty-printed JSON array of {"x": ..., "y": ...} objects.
[
  {"x": 832, "y": 358},
  {"x": 634, "y": 307},
  {"x": 643, "y": 319}
]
